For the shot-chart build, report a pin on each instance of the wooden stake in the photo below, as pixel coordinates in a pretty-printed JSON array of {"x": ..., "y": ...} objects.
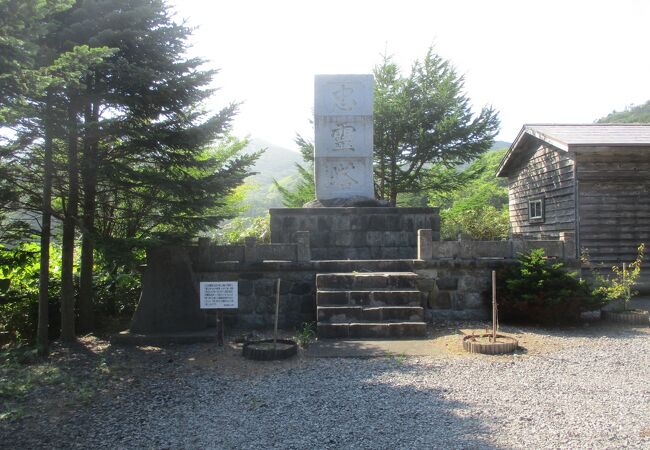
[
  {"x": 277, "y": 308},
  {"x": 494, "y": 306},
  {"x": 220, "y": 327},
  {"x": 627, "y": 288}
]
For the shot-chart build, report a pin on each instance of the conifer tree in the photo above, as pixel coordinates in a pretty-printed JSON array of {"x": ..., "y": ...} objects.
[{"x": 422, "y": 120}]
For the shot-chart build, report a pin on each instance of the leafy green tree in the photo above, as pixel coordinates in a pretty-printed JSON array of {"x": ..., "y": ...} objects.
[
  {"x": 131, "y": 147},
  {"x": 631, "y": 114},
  {"x": 479, "y": 207},
  {"x": 31, "y": 74},
  {"x": 144, "y": 137},
  {"x": 422, "y": 120}
]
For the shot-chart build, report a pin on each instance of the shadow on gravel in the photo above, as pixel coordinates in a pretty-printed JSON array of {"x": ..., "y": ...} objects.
[{"x": 157, "y": 399}]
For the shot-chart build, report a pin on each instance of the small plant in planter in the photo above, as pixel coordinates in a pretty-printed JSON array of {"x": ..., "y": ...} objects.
[
  {"x": 618, "y": 288},
  {"x": 540, "y": 290},
  {"x": 491, "y": 343}
]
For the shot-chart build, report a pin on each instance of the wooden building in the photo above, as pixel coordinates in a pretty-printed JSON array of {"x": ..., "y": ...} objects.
[{"x": 591, "y": 180}]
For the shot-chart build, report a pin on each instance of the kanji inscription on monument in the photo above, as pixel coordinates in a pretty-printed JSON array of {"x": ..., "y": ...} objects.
[{"x": 343, "y": 136}]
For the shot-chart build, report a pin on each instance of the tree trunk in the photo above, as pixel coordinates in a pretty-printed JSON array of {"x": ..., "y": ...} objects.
[
  {"x": 89, "y": 180},
  {"x": 68, "y": 240},
  {"x": 42, "y": 334},
  {"x": 393, "y": 183}
]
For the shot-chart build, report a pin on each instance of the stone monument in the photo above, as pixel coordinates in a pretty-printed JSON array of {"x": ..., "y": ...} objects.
[
  {"x": 345, "y": 221},
  {"x": 343, "y": 106}
]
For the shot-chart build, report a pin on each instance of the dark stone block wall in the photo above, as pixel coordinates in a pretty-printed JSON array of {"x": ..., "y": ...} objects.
[
  {"x": 356, "y": 233},
  {"x": 170, "y": 298}
]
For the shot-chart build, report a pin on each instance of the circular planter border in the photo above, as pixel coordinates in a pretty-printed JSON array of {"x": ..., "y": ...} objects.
[
  {"x": 631, "y": 316},
  {"x": 489, "y": 348},
  {"x": 269, "y": 354}
]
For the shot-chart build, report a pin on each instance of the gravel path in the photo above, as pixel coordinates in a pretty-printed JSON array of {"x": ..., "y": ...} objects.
[{"x": 595, "y": 393}]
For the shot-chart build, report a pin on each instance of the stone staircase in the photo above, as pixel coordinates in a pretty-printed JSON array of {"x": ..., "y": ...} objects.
[{"x": 369, "y": 305}]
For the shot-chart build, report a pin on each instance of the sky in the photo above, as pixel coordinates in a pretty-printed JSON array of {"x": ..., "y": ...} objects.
[{"x": 533, "y": 61}]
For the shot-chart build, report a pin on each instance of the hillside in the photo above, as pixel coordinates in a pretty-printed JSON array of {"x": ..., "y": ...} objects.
[
  {"x": 275, "y": 163},
  {"x": 631, "y": 114}
]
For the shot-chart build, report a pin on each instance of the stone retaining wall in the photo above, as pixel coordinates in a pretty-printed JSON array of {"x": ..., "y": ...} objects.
[{"x": 453, "y": 279}]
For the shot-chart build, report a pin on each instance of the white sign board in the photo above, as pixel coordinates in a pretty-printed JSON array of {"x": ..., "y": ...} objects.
[{"x": 219, "y": 295}]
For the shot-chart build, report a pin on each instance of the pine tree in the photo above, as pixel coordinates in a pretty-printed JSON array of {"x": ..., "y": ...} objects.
[
  {"x": 142, "y": 132},
  {"x": 422, "y": 120}
]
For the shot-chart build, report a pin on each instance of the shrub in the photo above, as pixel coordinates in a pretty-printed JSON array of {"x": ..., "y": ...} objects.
[
  {"x": 239, "y": 228},
  {"x": 19, "y": 270},
  {"x": 539, "y": 290},
  {"x": 484, "y": 223},
  {"x": 618, "y": 286}
]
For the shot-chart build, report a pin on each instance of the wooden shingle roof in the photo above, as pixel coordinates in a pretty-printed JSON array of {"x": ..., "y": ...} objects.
[{"x": 575, "y": 136}]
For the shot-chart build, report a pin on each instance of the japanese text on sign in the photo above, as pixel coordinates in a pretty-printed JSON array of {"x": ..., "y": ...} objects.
[{"x": 219, "y": 295}]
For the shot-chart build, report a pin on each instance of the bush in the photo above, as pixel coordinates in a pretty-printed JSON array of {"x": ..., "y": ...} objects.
[
  {"x": 19, "y": 270},
  {"x": 618, "y": 286},
  {"x": 539, "y": 290},
  {"x": 484, "y": 223},
  {"x": 238, "y": 229}
]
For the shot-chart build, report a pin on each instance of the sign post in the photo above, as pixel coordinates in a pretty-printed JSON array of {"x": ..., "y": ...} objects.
[{"x": 219, "y": 295}]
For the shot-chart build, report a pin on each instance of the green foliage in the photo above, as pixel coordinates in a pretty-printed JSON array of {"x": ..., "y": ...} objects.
[
  {"x": 619, "y": 285},
  {"x": 478, "y": 207},
  {"x": 240, "y": 228},
  {"x": 300, "y": 190},
  {"x": 482, "y": 223},
  {"x": 19, "y": 271},
  {"x": 539, "y": 290},
  {"x": 306, "y": 334},
  {"x": 631, "y": 114},
  {"x": 21, "y": 371},
  {"x": 421, "y": 120}
]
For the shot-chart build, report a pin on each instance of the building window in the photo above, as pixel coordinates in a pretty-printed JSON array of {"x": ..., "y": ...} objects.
[{"x": 536, "y": 210}]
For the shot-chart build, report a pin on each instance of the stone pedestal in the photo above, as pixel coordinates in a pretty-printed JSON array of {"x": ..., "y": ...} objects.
[{"x": 356, "y": 233}]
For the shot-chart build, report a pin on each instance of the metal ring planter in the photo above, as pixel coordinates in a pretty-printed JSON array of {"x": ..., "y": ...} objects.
[
  {"x": 631, "y": 316},
  {"x": 263, "y": 350},
  {"x": 506, "y": 345}
]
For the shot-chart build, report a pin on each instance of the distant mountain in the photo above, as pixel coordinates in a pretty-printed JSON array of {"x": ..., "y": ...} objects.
[
  {"x": 277, "y": 163},
  {"x": 498, "y": 145}
]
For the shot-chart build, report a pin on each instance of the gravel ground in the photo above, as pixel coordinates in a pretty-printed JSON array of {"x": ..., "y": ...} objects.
[{"x": 594, "y": 392}]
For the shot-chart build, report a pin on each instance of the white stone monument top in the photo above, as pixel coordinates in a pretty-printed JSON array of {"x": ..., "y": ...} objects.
[
  {"x": 343, "y": 106},
  {"x": 343, "y": 95}
]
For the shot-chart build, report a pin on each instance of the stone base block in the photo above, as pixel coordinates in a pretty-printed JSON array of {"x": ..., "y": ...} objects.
[{"x": 356, "y": 233}]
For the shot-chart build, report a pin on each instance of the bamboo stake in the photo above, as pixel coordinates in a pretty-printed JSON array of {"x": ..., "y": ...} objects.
[
  {"x": 627, "y": 289},
  {"x": 494, "y": 306},
  {"x": 277, "y": 308}
]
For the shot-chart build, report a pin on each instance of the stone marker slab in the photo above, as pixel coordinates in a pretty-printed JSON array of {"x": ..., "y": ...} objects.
[
  {"x": 343, "y": 107},
  {"x": 347, "y": 136}
]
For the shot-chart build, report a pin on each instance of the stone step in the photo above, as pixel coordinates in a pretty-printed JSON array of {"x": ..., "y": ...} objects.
[
  {"x": 366, "y": 280},
  {"x": 382, "y": 297},
  {"x": 347, "y": 314},
  {"x": 372, "y": 330}
]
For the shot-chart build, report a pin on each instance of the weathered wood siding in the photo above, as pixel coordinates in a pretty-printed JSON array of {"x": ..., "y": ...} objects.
[
  {"x": 614, "y": 202},
  {"x": 543, "y": 172}
]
